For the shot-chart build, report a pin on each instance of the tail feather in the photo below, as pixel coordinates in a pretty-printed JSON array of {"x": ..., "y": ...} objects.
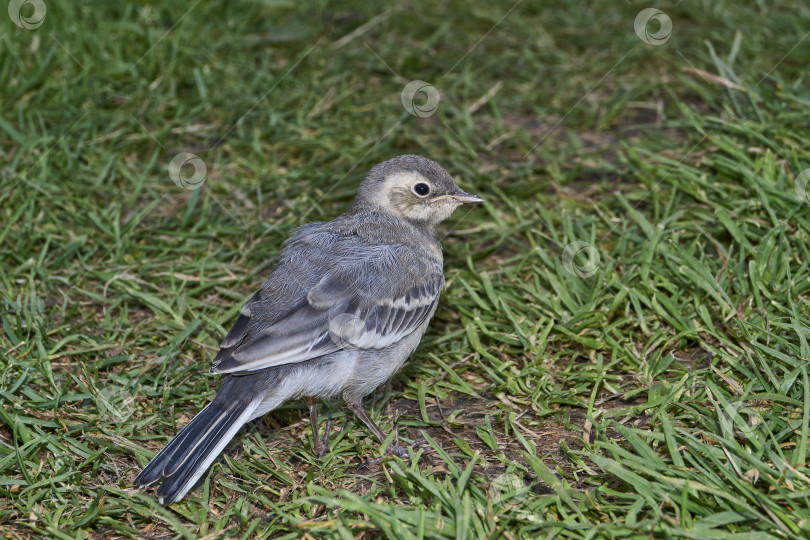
[
  {"x": 189, "y": 454},
  {"x": 194, "y": 444},
  {"x": 178, "y": 446},
  {"x": 183, "y": 478}
]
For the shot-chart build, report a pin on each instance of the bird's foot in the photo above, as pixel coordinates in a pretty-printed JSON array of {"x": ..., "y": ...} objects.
[
  {"x": 402, "y": 451},
  {"x": 394, "y": 449}
]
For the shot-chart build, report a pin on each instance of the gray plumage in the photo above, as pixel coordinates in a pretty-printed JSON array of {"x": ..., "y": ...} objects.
[{"x": 345, "y": 306}]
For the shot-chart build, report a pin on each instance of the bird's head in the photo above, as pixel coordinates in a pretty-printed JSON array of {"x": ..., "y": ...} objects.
[{"x": 414, "y": 188}]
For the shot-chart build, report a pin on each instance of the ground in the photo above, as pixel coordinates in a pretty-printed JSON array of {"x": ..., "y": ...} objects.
[{"x": 622, "y": 348}]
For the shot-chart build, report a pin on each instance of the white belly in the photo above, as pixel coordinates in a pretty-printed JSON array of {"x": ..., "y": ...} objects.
[{"x": 312, "y": 380}]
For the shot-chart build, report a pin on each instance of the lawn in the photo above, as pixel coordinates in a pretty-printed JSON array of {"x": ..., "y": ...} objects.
[{"x": 622, "y": 347}]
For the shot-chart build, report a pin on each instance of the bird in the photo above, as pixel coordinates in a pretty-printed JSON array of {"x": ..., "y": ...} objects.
[{"x": 346, "y": 304}]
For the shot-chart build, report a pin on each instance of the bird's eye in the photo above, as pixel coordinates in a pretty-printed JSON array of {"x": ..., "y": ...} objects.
[{"x": 421, "y": 189}]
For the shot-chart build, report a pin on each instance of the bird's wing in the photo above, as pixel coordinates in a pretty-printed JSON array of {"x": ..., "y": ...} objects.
[{"x": 316, "y": 303}]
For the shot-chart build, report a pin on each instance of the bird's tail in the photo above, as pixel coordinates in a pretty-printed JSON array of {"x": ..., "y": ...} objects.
[{"x": 189, "y": 454}]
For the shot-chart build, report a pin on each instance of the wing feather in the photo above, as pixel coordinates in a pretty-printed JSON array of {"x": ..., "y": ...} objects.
[{"x": 369, "y": 301}]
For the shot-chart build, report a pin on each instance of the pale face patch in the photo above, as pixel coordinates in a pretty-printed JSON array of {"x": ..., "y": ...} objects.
[
  {"x": 406, "y": 180},
  {"x": 398, "y": 196}
]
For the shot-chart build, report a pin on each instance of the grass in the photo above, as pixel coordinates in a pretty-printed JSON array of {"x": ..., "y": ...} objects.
[{"x": 654, "y": 384}]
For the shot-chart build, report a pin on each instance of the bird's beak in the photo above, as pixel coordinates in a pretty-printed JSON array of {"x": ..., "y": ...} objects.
[{"x": 464, "y": 197}]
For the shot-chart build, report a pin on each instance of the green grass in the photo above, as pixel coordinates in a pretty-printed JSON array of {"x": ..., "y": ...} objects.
[{"x": 666, "y": 394}]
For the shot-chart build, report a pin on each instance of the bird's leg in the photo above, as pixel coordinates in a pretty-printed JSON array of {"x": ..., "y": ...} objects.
[
  {"x": 393, "y": 449},
  {"x": 320, "y": 445},
  {"x": 357, "y": 409}
]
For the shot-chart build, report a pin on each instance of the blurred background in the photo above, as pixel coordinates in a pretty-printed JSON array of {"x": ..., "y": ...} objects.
[{"x": 622, "y": 346}]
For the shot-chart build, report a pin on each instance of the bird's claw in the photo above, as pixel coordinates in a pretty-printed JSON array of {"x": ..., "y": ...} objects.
[
  {"x": 394, "y": 449},
  {"x": 399, "y": 451}
]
